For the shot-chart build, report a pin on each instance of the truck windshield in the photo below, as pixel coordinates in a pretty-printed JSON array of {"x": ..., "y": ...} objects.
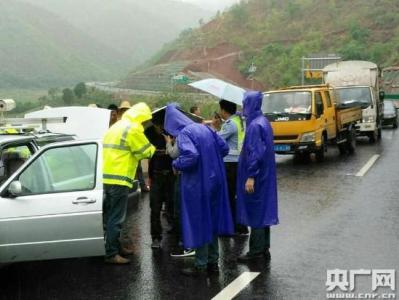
[
  {"x": 287, "y": 102},
  {"x": 359, "y": 94}
]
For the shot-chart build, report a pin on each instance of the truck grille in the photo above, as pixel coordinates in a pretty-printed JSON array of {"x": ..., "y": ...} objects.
[{"x": 285, "y": 137}]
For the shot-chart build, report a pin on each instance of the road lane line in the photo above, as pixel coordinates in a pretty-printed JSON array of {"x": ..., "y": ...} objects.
[
  {"x": 368, "y": 165},
  {"x": 230, "y": 291}
]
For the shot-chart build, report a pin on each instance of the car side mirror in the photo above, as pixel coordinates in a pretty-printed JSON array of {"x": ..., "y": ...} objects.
[{"x": 15, "y": 188}]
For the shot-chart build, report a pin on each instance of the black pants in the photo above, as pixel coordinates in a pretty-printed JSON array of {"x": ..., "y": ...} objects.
[
  {"x": 231, "y": 174},
  {"x": 162, "y": 185}
]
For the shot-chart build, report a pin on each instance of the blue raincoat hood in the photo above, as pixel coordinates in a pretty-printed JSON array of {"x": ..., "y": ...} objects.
[
  {"x": 175, "y": 121},
  {"x": 252, "y": 105}
]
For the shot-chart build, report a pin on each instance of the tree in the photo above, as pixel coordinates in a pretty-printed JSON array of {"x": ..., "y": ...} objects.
[
  {"x": 80, "y": 90},
  {"x": 67, "y": 96},
  {"x": 53, "y": 93}
]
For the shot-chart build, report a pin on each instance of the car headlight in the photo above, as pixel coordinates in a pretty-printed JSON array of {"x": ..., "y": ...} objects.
[
  {"x": 368, "y": 119},
  {"x": 308, "y": 137}
]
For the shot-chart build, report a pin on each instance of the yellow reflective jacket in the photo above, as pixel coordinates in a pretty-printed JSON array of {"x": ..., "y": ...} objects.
[{"x": 124, "y": 145}]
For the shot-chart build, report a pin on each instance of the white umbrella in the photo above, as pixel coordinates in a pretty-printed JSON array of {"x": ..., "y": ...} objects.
[{"x": 221, "y": 89}]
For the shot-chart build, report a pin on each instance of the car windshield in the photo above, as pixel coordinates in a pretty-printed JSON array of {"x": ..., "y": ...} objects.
[
  {"x": 359, "y": 94},
  {"x": 287, "y": 102},
  {"x": 389, "y": 107}
]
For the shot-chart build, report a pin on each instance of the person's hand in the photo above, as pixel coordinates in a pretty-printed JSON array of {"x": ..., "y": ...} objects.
[
  {"x": 175, "y": 171},
  {"x": 250, "y": 186},
  {"x": 216, "y": 123},
  {"x": 168, "y": 139}
]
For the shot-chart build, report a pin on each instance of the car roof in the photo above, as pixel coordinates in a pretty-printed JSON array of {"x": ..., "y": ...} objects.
[{"x": 7, "y": 138}]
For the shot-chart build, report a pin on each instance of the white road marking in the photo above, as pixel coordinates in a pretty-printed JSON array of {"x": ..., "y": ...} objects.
[
  {"x": 230, "y": 291},
  {"x": 368, "y": 165}
]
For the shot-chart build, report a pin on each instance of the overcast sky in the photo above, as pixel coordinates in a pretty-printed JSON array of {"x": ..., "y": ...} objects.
[{"x": 212, "y": 4}]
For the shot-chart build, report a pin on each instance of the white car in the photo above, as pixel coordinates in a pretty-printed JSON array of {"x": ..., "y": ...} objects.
[{"x": 51, "y": 207}]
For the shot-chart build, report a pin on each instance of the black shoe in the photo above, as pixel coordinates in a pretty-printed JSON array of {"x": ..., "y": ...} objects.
[
  {"x": 213, "y": 268},
  {"x": 156, "y": 244},
  {"x": 242, "y": 230},
  {"x": 194, "y": 271},
  {"x": 249, "y": 257},
  {"x": 267, "y": 255}
]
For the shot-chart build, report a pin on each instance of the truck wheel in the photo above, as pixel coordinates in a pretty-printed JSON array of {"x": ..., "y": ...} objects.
[
  {"x": 351, "y": 141},
  {"x": 342, "y": 148},
  {"x": 373, "y": 137},
  {"x": 379, "y": 132},
  {"x": 320, "y": 154}
]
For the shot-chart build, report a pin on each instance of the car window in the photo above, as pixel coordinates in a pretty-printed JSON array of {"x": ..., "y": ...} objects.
[
  {"x": 12, "y": 157},
  {"x": 328, "y": 99},
  {"x": 319, "y": 104},
  {"x": 61, "y": 169},
  {"x": 389, "y": 107}
]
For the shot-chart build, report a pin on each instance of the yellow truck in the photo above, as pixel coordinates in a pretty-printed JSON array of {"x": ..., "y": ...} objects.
[{"x": 306, "y": 119}]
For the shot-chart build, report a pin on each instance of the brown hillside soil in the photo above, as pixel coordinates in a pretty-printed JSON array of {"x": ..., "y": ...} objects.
[{"x": 220, "y": 61}]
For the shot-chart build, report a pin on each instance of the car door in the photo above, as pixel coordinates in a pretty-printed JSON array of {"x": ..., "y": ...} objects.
[
  {"x": 55, "y": 207},
  {"x": 329, "y": 113}
]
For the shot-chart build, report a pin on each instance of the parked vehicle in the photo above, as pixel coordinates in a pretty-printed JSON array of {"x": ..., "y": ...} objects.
[
  {"x": 359, "y": 81},
  {"x": 390, "y": 114},
  {"x": 306, "y": 119},
  {"x": 390, "y": 84},
  {"x": 51, "y": 207}
]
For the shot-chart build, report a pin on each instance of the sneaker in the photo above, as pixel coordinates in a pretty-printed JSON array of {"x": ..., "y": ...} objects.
[
  {"x": 117, "y": 260},
  {"x": 156, "y": 244},
  {"x": 183, "y": 253}
]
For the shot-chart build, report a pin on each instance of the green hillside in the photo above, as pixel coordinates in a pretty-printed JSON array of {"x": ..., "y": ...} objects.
[
  {"x": 274, "y": 35},
  {"x": 137, "y": 28},
  {"x": 46, "y": 43},
  {"x": 38, "y": 49}
]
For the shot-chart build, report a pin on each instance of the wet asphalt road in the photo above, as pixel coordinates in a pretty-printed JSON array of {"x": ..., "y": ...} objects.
[{"x": 329, "y": 219}]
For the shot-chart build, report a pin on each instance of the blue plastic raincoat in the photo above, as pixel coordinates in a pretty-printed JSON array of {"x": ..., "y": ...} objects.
[
  {"x": 205, "y": 209},
  {"x": 257, "y": 160}
]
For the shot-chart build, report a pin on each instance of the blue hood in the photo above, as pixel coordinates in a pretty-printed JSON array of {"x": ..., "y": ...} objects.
[
  {"x": 175, "y": 121},
  {"x": 252, "y": 105}
]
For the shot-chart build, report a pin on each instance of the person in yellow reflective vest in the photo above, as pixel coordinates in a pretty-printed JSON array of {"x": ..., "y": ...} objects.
[
  {"x": 233, "y": 133},
  {"x": 124, "y": 145}
]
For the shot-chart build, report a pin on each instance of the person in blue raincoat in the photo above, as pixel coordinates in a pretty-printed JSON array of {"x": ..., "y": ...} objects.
[
  {"x": 256, "y": 180},
  {"x": 205, "y": 208}
]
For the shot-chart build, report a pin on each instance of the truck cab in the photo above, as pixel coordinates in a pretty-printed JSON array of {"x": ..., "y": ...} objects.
[
  {"x": 370, "y": 125},
  {"x": 305, "y": 119},
  {"x": 359, "y": 81}
]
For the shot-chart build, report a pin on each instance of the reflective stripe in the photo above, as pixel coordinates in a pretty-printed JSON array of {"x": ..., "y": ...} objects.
[
  {"x": 117, "y": 177},
  {"x": 124, "y": 135},
  {"x": 142, "y": 149},
  {"x": 240, "y": 132},
  {"x": 118, "y": 147}
]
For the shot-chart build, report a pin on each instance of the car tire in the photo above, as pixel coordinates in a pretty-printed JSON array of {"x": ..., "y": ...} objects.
[{"x": 395, "y": 124}]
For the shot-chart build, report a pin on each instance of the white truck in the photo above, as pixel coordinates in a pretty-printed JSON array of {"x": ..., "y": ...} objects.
[{"x": 359, "y": 81}]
